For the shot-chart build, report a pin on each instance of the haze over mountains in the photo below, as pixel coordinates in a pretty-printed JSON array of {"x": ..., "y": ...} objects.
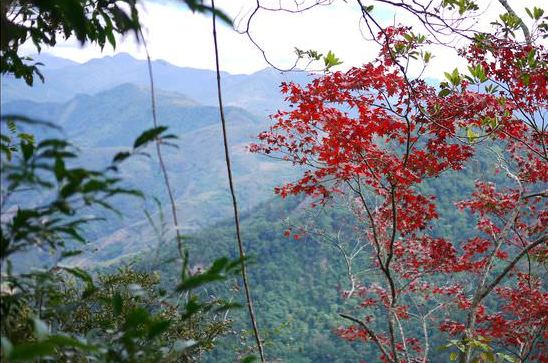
[
  {"x": 257, "y": 92},
  {"x": 104, "y": 104}
]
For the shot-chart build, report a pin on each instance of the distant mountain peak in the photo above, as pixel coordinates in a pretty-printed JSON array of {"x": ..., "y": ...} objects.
[
  {"x": 118, "y": 58},
  {"x": 124, "y": 56},
  {"x": 268, "y": 70}
]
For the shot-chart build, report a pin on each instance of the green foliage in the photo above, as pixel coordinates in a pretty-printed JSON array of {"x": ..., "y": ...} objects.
[
  {"x": 477, "y": 74},
  {"x": 408, "y": 48},
  {"x": 479, "y": 348},
  {"x": 10, "y": 140},
  {"x": 329, "y": 60},
  {"x": 199, "y": 7},
  {"x": 125, "y": 318},
  {"x": 130, "y": 310},
  {"x": 298, "y": 283},
  {"x": 461, "y": 5},
  {"x": 201, "y": 177},
  {"x": 295, "y": 286},
  {"x": 311, "y": 54},
  {"x": 218, "y": 271},
  {"x": 535, "y": 14},
  {"x": 453, "y": 77}
]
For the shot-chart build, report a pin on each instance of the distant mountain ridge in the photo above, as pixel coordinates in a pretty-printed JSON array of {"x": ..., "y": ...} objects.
[
  {"x": 108, "y": 121},
  {"x": 115, "y": 116},
  {"x": 257, "y": 92}
]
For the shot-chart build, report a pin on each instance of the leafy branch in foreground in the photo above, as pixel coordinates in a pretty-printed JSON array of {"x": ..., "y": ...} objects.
[
  {"x": 64, "y": 190},
  {"x": 64, "y": 313}
]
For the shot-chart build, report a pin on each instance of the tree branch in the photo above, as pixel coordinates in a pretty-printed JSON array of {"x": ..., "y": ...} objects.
[
  {"x": 159, "y": 153},
  {"x": 373, "y": 336},
  {"x": 538, "y": 242}
]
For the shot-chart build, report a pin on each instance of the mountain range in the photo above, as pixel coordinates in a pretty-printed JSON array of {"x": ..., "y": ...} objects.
[
  {"x": 257, "y": 92},
  {"x": 104, "y": 104}
]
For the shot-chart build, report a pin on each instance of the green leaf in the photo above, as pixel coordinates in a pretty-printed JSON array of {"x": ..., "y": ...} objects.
[
  {"x": 27, "y": 149},
  {"x": 537, "y": 13},
  {"x": 68, "y": 341},
  {"x": 218, "y": 265},
  {"x": 453, "y": 77},
  {"x": 158, "y": 327},
  {"x": 59, "y": 169},
  {"x": 137, "y": 317},
  {"x": 26, "y": 137},
  {"x": 94, "y": 185},
  {"x": 85, "y": 277},
  {"x": 408, "y": 37},
  {"x": 197, "y": 6},
  {"x": 227, "y": 306},
  {"x": 117, "y": 303},
  {"x": 218, "y": 271},
  {"x": 441, "y": 348},
  {"x": 31, "y": 350},
  {"x": 67, "y": 254},
  {"x": 453, "y": 356},
  {"x": 444, "y": 92},
  {"x": 11, "y": 125},
  {"x": 111, "y": 38},
  {"x": 330, "y": 60},
  {"x": 193, "y": 282},
  {"x": 249, "y": 359},
  {"x": 69, "y": 189},
  {"x": 121, "y": 156},
  {"x": 148, "y": 136},
  {"x": 508, "y": 358},
  {"x": 471, "y": 135},
  {"x": 531, "y": 57}
]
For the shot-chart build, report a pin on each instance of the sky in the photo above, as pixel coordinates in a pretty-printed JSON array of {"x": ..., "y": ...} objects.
[{"x": 183, "y": 38}]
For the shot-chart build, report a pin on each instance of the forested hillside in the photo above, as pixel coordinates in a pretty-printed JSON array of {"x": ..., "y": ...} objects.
[{"x": 299, "y": 283}]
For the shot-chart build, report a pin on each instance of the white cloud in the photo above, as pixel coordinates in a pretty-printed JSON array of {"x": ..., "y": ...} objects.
[{"x": 185, "y": 39}]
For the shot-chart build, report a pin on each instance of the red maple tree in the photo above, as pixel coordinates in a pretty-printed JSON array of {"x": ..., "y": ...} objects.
[{"x": 376, "y": 134}]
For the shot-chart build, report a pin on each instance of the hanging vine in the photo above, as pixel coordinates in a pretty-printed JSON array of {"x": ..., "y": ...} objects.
[{"x": 249, "y": 299}]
